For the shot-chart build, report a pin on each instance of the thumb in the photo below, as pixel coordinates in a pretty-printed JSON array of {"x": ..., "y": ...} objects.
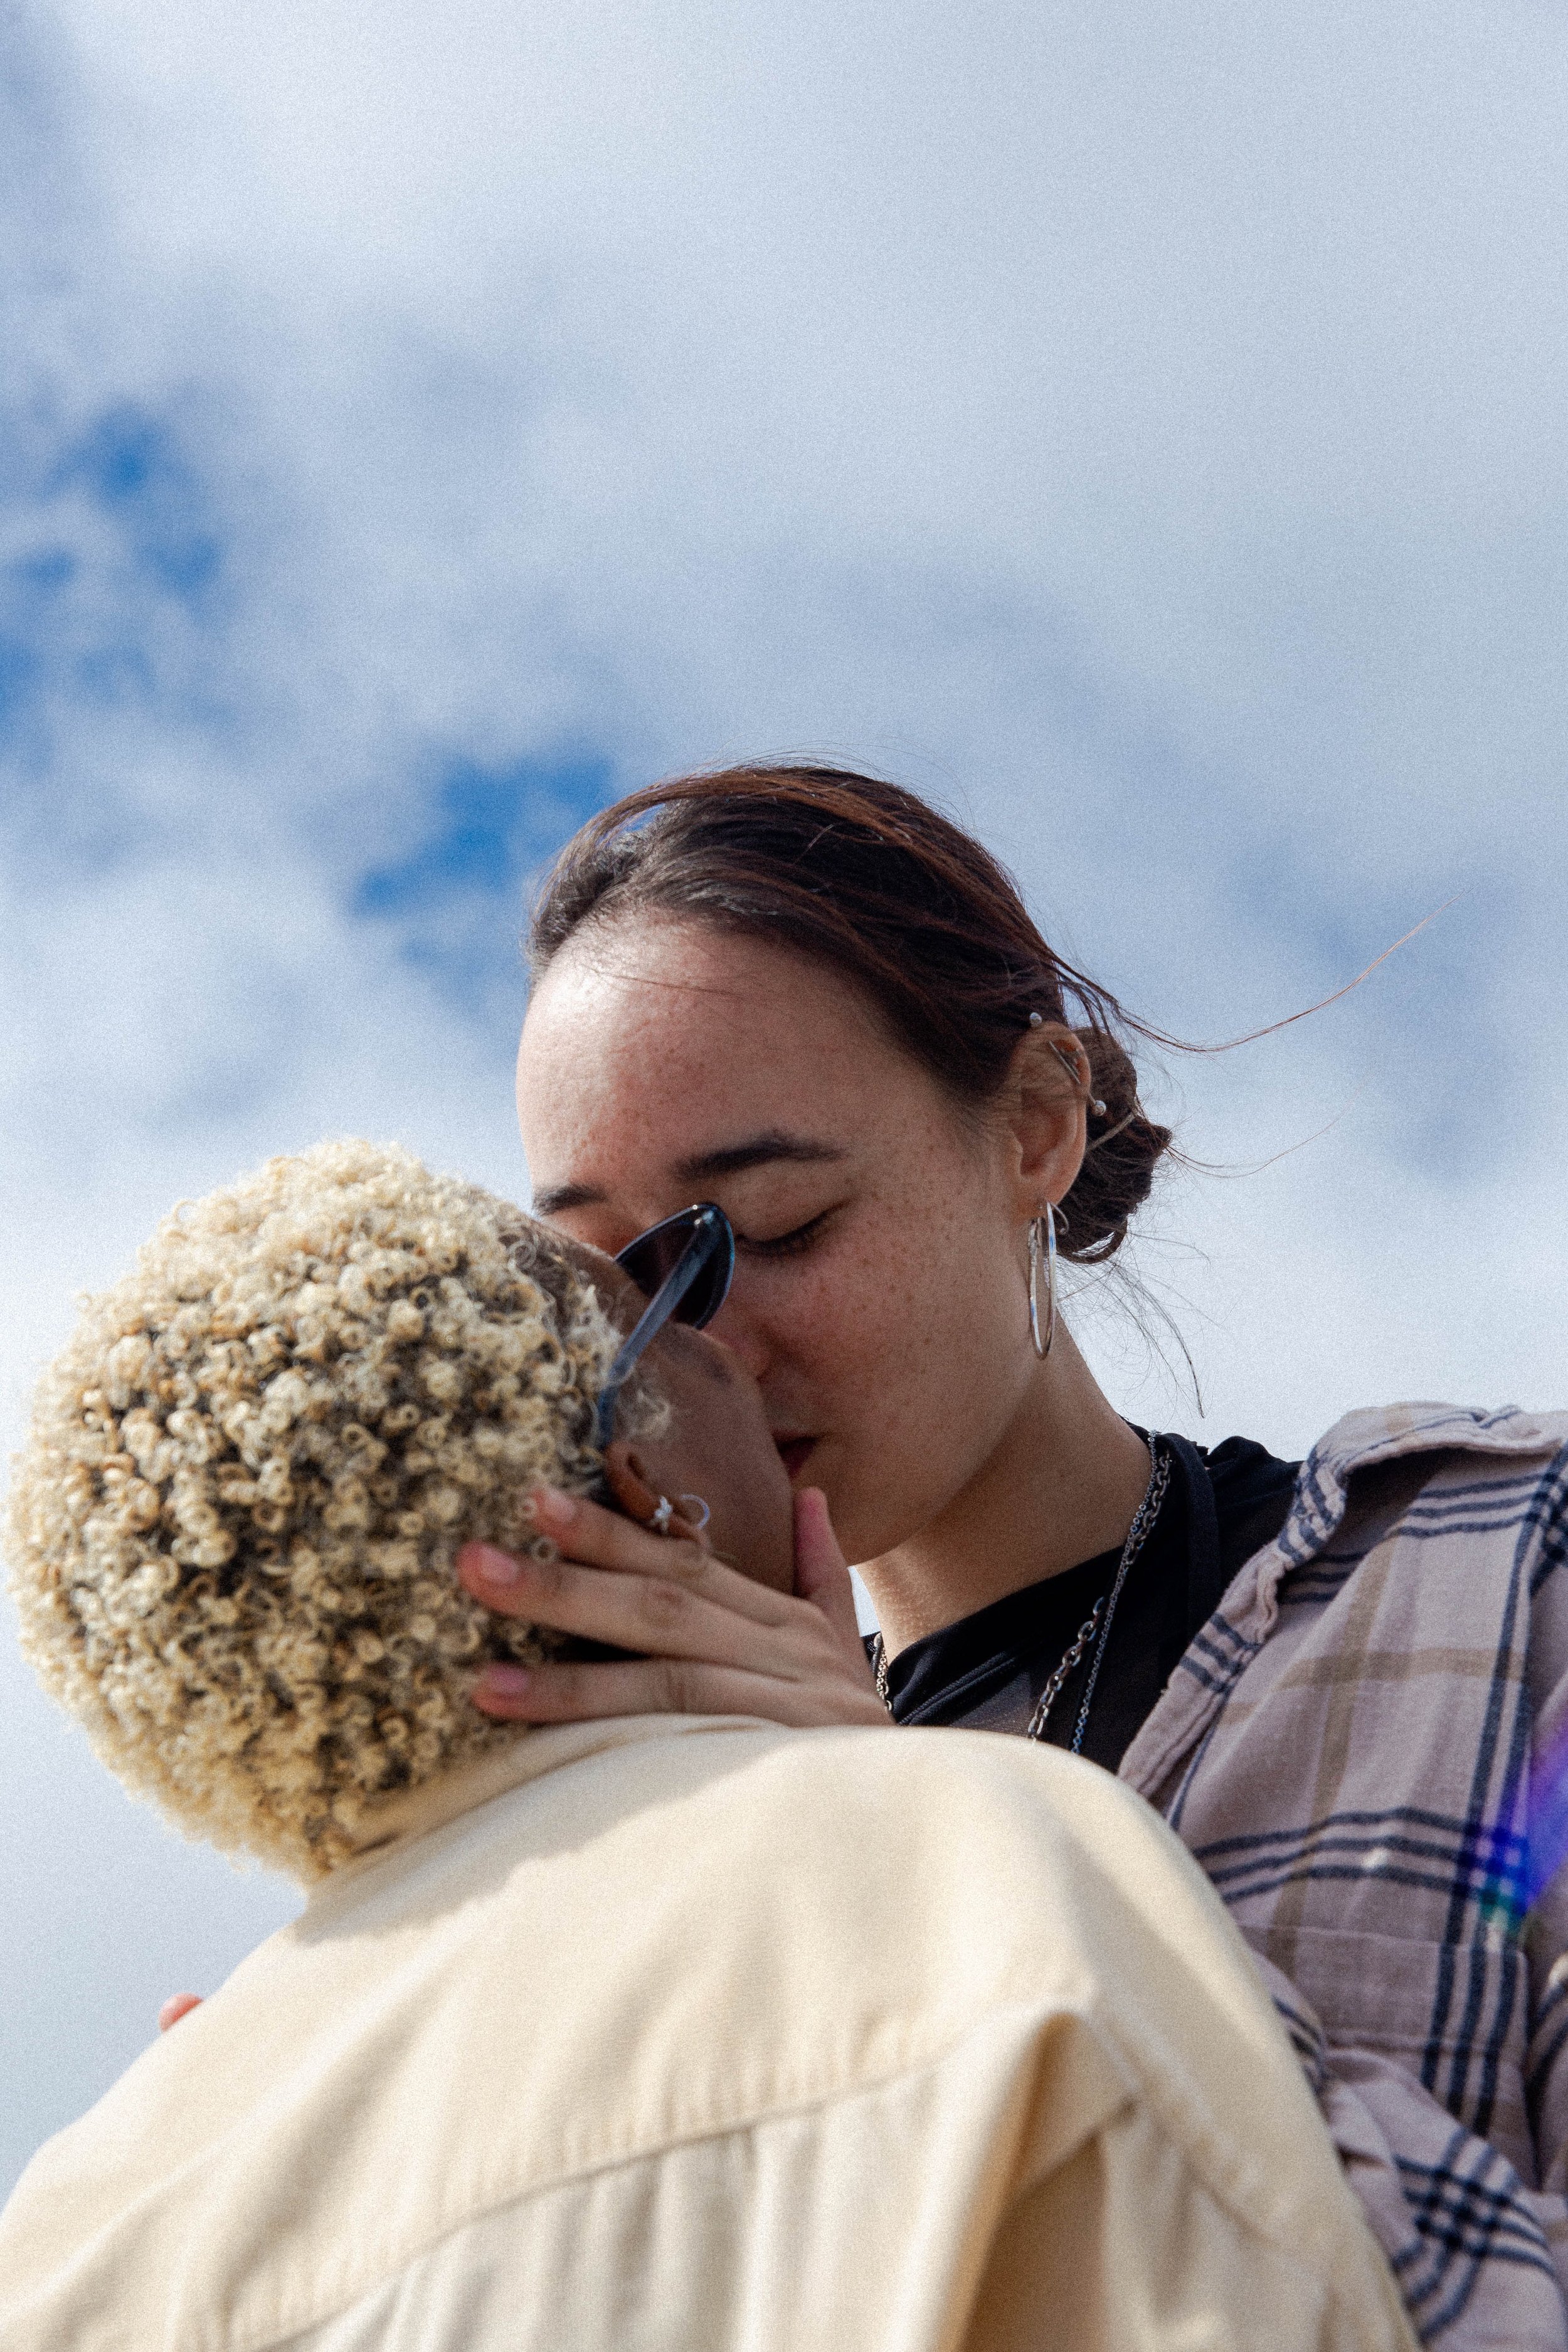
[{"x": 821, "y": 1576}]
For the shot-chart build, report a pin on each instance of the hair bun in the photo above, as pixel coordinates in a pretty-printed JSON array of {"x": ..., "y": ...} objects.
[{"x": 1125, "y": 1147}]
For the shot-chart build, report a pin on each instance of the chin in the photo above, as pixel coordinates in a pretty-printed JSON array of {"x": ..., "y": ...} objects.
[{"x": 868, "y": 1528}]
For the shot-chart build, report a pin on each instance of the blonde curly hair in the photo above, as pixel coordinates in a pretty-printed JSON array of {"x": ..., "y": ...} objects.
[{"x": 232, "y": 1531}]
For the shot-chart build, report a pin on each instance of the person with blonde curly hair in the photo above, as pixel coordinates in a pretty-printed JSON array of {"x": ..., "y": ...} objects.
[
  {"x": 666, "y": 2029},
  {"x": 253, "y": 1467}
]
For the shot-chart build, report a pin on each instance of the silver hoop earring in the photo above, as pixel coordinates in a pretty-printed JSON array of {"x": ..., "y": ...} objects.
[
  {"x": 1043, "y": 1242},
  {"x": 697, "y": 1503},
  {"x": 661, "y": 1518}
]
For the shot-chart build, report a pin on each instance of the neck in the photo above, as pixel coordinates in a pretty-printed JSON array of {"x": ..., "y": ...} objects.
[{"x": 1062, "y": 1485}]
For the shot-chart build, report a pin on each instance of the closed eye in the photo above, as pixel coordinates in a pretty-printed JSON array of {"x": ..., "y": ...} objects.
[{"x": 790, "y": 1244}]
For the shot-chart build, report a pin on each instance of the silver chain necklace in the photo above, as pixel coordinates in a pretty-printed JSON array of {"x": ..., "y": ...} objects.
[{"x": 1099, "y": 1619}]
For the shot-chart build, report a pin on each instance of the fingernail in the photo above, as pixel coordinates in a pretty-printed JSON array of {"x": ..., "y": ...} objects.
[
  {"x": 503, "y": 1681},
  {"x": 550, "y": 1503},
  {"x": 496, "y": 1566}
]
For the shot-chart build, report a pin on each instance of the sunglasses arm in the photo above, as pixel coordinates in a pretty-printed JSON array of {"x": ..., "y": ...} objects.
[{"x": 647, "y": 1328}]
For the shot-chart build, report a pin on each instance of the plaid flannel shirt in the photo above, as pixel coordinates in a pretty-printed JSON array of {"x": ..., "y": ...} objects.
[{"x": 1366, "y": 1748}]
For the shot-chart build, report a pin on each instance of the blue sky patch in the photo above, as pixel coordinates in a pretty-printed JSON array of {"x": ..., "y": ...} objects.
[
  {"x": 116, "y": 538},
  {"x": 458, "y": 897},
  {"x": 132, "y": 466},
  {"x": 491, "y": 827}
]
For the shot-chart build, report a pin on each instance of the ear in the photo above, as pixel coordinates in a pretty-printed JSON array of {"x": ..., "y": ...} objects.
[
  {"x": 627, "y": 1480},
  {"x": 626, "y": 1476},
  {"x": 1044, "y": 1107}
]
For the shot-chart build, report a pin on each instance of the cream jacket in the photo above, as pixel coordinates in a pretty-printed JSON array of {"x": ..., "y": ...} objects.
[{"x": 697, "y": 2035}]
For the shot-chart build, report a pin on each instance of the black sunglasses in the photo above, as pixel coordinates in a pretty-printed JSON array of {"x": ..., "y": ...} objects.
[{"x": 683, "y": 1267}]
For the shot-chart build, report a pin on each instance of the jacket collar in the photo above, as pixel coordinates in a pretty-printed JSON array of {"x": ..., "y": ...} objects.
[
  {"x": 1389, "y": 1434},
  {"x": 1251, "y": 1607},
  {"x": 390, "y": 1822}
]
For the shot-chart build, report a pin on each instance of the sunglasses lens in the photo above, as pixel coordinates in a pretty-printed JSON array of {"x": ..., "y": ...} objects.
[
  {"x": 653, "y": 1258},
  {"x": 712, "y": 1285}
]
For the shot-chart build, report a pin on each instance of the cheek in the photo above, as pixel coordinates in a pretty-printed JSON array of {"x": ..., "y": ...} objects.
[
  {"x": 921, "y": 1414},
  {"x": 914, "y": 1343}
]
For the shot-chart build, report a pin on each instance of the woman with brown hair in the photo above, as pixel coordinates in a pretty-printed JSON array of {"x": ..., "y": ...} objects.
[{"x": 804, "y": 995}]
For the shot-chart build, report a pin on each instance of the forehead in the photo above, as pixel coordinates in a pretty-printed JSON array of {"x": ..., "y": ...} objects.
[{"x": 662, "y": 1039}]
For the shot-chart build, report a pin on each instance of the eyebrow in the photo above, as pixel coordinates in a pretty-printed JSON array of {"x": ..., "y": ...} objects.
[
  {"x": 756, "y": 1152},
  {"x": 730, "y": 1159}
]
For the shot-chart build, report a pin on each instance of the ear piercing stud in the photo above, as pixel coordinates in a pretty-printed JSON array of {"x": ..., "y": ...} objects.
[
  {"x": 1037, "y": 1021},
  {"x": 697, "y": 1511}
]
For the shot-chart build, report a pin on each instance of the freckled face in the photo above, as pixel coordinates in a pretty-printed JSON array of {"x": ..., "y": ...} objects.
[{"x": 877, "y": 1297}]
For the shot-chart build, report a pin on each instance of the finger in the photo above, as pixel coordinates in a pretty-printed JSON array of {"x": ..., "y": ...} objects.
[
  {"x": 601, "y": 1538},
  {"x": 512, "y": 1583},
  {"x": 668, "y": 1615},
  {"x": 178, "y": 2005},
  {"x": 552, "y": 1591},
  {"x": 597, "y": 1536},
  {"x": 585, "y": 1532},
  {"x": 585, "y": 1693},
  {"x": 821, "y": 1575}
]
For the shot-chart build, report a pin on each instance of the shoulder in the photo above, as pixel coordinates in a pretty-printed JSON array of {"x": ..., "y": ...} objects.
[
  {"x": 1002, "y": 1860},
  {"x": 1456, "y": 1503},
  {"x": 1412, "y": 1448},
  {"x": 940, "y": 1862},
  {"x": 1502, "y": 1434}
]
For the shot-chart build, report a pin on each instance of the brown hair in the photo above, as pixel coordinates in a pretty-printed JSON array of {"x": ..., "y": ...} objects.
[{"x": 863, "y": 875}]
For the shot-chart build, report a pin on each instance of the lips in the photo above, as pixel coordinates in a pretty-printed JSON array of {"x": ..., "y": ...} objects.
[{"x": 794, "y": 1452}]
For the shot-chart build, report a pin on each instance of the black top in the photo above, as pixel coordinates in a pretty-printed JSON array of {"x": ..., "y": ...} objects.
[{"x": 987, "y": 1671}]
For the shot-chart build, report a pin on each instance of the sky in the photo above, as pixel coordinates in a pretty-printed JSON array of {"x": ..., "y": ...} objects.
[{"x": 1137, "y": 426}]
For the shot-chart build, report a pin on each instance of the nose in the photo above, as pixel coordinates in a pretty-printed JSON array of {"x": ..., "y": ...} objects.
[{"x": 741, "y": 1334}]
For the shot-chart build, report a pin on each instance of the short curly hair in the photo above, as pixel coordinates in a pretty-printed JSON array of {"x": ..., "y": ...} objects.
[{"x": 231, "y": 1532}]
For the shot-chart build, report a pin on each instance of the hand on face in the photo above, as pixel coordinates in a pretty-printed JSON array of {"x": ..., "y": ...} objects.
[{"x": 753, "y": 1615}]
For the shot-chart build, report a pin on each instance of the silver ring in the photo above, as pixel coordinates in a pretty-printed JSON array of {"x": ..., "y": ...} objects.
[{"x": 698, "y": 1525}]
